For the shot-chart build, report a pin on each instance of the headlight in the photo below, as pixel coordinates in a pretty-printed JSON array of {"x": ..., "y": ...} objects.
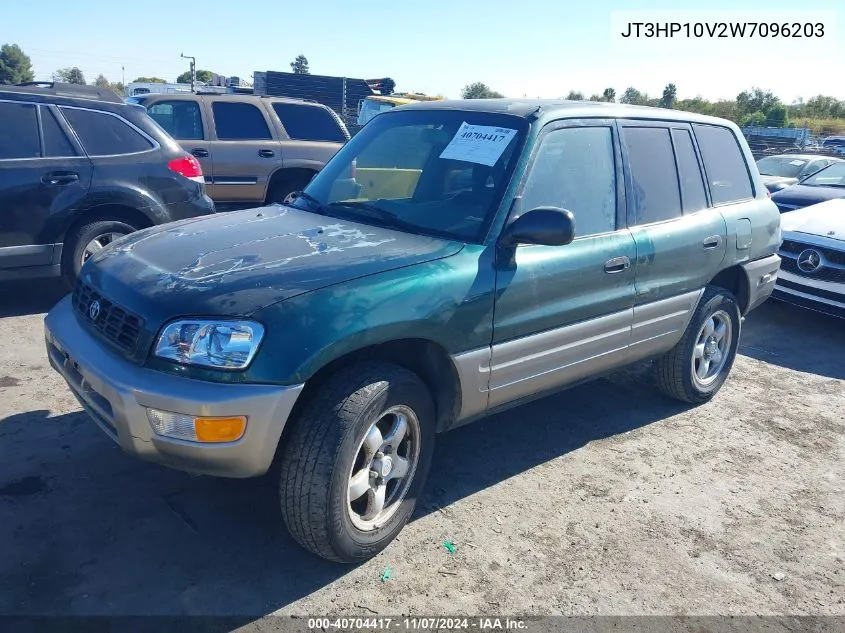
[{"x": 210, "y": 343}]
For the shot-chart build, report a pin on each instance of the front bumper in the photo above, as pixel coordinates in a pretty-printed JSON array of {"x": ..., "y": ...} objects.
[
  {"x": 761, "y": 275},
  {"x": 819, "y": 296},
  {"x": 116, "y": 393}
]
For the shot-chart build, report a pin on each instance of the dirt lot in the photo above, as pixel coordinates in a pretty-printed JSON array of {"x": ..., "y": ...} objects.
[{"x": 607, "y": 499}]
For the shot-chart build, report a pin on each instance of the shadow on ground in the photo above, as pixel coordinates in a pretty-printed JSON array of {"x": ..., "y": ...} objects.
[
  {"x": 19, "y": 298},
  {"x": 795, "y": 338},
  {"x": 86, "y": 529}
]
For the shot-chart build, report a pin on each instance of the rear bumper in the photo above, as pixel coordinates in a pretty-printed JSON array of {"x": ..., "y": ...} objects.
[
  {"x": 200, "y": 205},
  {"x": 116, "y": 394},
  {"x": 761, "y": 275}
]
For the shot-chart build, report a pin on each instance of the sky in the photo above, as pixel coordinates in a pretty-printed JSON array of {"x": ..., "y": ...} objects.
[{"x": 542, "y": 48}]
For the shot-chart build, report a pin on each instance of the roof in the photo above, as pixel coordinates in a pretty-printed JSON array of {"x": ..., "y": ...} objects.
[
  {"x": 57, "y": 89},
  {"x": 561, "y": 108}
]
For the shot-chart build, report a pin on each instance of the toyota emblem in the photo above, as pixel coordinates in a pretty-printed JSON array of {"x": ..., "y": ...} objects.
[
  {"x": 94, "y": 310},
  {"x": 809, "y": 261}
]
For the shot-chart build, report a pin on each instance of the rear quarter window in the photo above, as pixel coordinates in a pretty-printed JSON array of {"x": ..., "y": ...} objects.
[
  {"x": 727, "y": 172},
  {"x": 103, "y": 134},
  {"x": 308, "y": 123}
]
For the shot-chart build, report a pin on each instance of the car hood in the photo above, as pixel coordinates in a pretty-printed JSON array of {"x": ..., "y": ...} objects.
[
  {"x": 804, "y": 195},
  {"x": 826, "y": 219},
  {"x": 238, "y": 262}
]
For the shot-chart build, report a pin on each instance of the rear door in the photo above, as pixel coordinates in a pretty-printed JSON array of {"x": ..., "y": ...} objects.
[
  {"x": 245, "y": 149},
  {"x": 185, "y": 121},
  {"x": 313, "y": 134},
  {"x": 680, "y": 239},
  {"x": 43, "y": 173}
]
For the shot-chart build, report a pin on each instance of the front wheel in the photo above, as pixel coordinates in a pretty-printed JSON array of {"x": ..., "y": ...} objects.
[
  {"x": 356, "y": 461},
  {"x": 697, "y": 367}
]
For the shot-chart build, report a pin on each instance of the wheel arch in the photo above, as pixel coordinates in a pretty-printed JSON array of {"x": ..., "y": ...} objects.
[
  {"x": 289, "y": 174},
  {"x": 736, "y": 281}
]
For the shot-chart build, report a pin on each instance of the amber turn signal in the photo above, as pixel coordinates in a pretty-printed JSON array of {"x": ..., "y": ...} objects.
[{"x": 220, "y": 429}]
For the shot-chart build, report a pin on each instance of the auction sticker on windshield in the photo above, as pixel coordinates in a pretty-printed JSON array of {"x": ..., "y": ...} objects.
[
  {"x": 796, "y": 162},
  {"x": 482, "y": 144}
]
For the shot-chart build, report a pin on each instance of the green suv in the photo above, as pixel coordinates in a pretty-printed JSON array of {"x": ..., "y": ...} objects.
[{"x": 453, "y": 259}]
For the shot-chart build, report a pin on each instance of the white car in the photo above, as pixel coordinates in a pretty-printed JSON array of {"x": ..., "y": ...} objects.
[{"x": 812, "y": 273}]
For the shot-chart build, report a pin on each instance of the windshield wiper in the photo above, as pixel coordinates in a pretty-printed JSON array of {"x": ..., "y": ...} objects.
[
  {"x": 309, "y": 198},
  {"x": 377, "y": 212}
]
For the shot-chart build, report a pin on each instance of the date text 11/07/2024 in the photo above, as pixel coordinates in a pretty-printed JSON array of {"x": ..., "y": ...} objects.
[
  {"x": 417, "y": 624},
  {"x": 724, "y": 29}
]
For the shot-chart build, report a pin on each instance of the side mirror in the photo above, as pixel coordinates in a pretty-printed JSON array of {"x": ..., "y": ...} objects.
[{"x": 547, "y": 226}]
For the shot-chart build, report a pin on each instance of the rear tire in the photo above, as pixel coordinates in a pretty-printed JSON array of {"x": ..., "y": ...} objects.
[
  {"x": 696, "y": 368},
  {"x": 284, "y": 186},
  {"x": 86, "y": 240},
  {"x": 333, "y": 464}
]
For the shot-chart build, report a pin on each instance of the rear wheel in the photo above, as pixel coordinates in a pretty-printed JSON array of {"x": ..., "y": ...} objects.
[
  {"x": 356, "y": 460},
  {"x": 88, "y": 240},
  {"x": 697, "y": 367},
  {"x": 284, "y": 186}
]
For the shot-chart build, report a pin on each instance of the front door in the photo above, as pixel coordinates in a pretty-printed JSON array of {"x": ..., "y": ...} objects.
[
  {"x": 245, "y": 149},
  {"x": 563, "y": 313},
  {"x": 183, "y": 119}
]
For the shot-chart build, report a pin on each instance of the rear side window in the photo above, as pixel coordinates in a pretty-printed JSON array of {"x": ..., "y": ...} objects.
[
  {"x": 654, "y": 176},
  {"x": 181, "y": 119},
  {"x": 574, "y": 169},
  {"x": 56, "y": 143},
  {"x": 18, "y": 131},
  {"x": 727, "y": 173},
  {"x": 102, "y": 134},
  {"x": 308, "y": 123},
  {"x": 239, "y": 122},
  {"x": 692, "y": 186}
]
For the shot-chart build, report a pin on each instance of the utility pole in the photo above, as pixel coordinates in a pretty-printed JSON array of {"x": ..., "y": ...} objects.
[
  {"x": 123, "y": 75},
  {"x": 193, "y": 69}
]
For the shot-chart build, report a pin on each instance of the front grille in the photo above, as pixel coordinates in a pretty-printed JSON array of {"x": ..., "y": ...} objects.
[
  {"x": 835, "y": 275},
  {"x": 830, "y": 255},
  {"x": 119, "y": 327}
]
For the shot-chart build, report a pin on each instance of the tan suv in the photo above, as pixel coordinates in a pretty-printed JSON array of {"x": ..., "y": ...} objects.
[{"x": 253, "y": 149}]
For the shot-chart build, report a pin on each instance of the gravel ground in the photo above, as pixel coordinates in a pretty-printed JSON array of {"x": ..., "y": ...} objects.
[{"x": 606, "y": 499}]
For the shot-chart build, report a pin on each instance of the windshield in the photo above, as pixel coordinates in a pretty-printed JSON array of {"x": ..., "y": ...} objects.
[
  {"x": 423, "y": 171},
  {"x": 830, "y": 176},
  {"x": 782, "y": 166},
  {"x": 371, "y": 108}
]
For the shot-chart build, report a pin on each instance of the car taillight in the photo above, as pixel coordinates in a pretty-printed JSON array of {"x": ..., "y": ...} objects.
[{"x": 187, "y": 166}]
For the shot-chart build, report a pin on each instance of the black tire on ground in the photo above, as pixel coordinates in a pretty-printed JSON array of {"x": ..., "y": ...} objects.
[
  {"x": 674, "y": 369},
  {"x": 319, "y": 454},
  {"x": 285, "y": 186},
  {"x": 80, "y": 238}
]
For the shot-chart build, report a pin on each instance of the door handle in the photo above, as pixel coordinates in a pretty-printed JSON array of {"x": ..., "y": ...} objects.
[
  {"x": 266, "y": 153},
  {"x": 617, "y": 265},
  {"x": 199, "y": 152},
  {"x": 60, "y": 178},
  {"x": 714, "y": 241}
]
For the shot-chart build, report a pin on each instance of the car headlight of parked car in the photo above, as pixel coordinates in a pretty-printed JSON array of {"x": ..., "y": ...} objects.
[{"x": 219, "y": 344}]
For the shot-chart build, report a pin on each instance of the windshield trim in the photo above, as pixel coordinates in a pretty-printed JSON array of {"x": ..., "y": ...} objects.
[{"x": 339, "y": 162}]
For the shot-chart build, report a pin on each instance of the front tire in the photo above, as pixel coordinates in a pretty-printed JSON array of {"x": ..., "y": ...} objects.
[
  {"x": 356, "y": 461},
  {"x": 697, "y": 367}
]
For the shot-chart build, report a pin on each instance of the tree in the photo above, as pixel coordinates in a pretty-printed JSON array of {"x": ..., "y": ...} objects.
[
  {"x": 15, "y": 66},
  {"x": 756, "y": 100},
  {"x": 148, "y": 80},
  {"x": 575, "y": 96},
  {"x": 387, "y": 86},
  {"x": 479, "y": 90},
  {"x": 300, "y": 65},
  {"x": 101, "y": 81},
  {"x": 70, "y": 75},
  {"x": 670, "y": 93},
  {"x": 609, "y": 95},
  {"x": 203, "y": 76},
  {"x": 594, "y": 97},
  {"x": 634, "y": 97},
  {"x": 777, "y": 116}
]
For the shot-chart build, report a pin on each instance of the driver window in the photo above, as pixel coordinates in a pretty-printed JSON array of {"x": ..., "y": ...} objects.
[{"x": 574, "y": 169}]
